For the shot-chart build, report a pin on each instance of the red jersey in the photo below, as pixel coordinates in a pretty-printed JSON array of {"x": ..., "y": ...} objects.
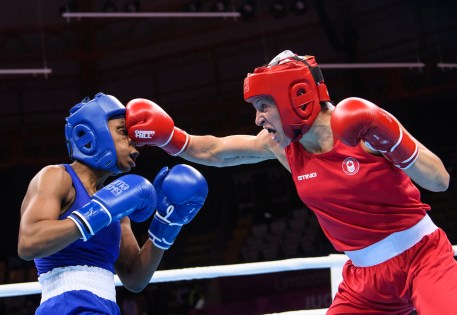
[{"x": 359, "y": 199}]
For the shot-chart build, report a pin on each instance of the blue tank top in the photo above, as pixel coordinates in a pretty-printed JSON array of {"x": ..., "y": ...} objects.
[{"x": 102, "y": 250}]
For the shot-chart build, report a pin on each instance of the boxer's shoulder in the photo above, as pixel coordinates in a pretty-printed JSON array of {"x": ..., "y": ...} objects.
[{"x": 53, "y": 179}]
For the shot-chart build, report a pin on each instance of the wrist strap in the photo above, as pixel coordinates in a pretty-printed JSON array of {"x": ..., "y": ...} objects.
[
  {"x": 405, "y": 153},
  {"x": 178, "y": 142},
  {"x": 91, "y": 218},
  {"x": 162, "y": 233}
]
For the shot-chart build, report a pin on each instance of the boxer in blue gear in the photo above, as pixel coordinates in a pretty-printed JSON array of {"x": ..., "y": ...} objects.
[{"x": 77, "y": 230}]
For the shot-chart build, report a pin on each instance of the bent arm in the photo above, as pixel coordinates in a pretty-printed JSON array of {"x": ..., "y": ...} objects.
[
  {"x": 40, "y": 232},
  {"x": 355, "y": 120},
  {"x": 429, "y": 171},
  {"x": 136, "y": 266}
]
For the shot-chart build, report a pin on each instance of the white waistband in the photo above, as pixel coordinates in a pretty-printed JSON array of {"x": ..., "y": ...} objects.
[
  {"x": 392, "y": 245},
  {"x": 63, "y": 279}
]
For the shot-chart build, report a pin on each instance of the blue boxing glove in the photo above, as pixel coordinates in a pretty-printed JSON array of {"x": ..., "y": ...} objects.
[
  {"x": 181, "y": 192},
  {"x": 129, "y": 195}
]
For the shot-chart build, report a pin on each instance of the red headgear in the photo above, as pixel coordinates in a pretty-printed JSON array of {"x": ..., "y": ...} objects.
[{"x": 296, "y": 85}]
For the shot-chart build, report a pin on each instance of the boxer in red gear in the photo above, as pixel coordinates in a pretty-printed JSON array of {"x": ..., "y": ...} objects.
[{"x": 366, "y": 166}]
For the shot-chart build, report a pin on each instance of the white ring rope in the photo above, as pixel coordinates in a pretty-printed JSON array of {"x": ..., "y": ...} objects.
[
  {"x": 206, "y": 272},
  {"x": 334, "y": 261}
]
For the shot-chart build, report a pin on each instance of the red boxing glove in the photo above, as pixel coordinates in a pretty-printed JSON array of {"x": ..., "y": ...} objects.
[
  {"x": 355, "y": 119},
  {"x": 148, "y": 124}
]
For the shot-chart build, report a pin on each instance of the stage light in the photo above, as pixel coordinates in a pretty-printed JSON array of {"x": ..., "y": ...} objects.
[
  {"x": 152, "y": 15},
  {"x": 444, "y": 66},
  {"x": 372, "y": 65},
  {"x": 44, "y": 71}
]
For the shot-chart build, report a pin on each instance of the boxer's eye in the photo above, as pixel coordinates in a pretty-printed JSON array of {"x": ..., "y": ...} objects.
[{"x": 123, "y": 131}]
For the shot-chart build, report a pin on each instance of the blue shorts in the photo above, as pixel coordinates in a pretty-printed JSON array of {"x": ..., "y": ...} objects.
[{"x": 78, "y": 303}]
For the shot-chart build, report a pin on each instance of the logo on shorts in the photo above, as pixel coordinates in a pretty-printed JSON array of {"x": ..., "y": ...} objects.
[
  {"x": 350, "y": 166},
  {"x": 144, "y": 134}
]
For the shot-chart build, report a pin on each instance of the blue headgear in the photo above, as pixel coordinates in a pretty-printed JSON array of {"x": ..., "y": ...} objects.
[{"x": 88, "y": 137}]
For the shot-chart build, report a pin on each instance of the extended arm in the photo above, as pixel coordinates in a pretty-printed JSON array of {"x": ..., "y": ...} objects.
[
  {"x": 226, "y": 151},
  {"x": 149, "y": 124}
]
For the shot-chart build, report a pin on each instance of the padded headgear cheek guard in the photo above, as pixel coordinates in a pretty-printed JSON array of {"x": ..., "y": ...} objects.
[
  {"x": 87, "y": 133},
  {"x": 297, "y": 87}
]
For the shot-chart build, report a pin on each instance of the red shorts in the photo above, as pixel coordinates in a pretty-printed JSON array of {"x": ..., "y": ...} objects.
[{"x": 424, "y": 278}]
